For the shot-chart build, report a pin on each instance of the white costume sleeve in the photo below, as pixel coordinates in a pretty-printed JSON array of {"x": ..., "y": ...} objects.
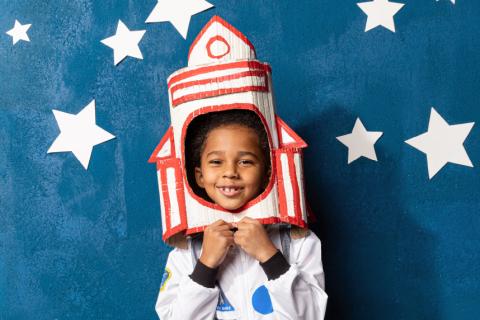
[
  {"x": 300, "y": 292},
  {"x": 180, "y": 297}
]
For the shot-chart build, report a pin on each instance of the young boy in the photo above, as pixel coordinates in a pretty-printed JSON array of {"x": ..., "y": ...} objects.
[{"x": 237, "y": 270}]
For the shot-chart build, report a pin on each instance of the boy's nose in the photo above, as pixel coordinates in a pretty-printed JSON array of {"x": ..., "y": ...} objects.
[{"x": 230, "y": 171}]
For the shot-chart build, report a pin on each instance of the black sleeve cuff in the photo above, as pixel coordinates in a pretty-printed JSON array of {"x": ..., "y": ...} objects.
[
  {"x": 204, "y": 275},
  {"x": 275, "y": 266}
]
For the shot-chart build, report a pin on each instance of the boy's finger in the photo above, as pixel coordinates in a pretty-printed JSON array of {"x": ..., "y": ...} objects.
[
  {"x": 239, "y": 241},
  {"x": 230, "y": 241},
  {"x": 246, "y": 225},
  {"x": 239, "y": 234},
  {"x": 248, "y": 220},
  {"x": 242, "y": 223},
  {"x": 223, "y": 226},
  {"x": 226, "y": 224},
  {"x": 227, "y": 233},
  {"x": 219, "y": 222}
]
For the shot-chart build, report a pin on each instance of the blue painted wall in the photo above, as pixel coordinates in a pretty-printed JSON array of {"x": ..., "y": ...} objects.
[{"x": 78, "y": 244}]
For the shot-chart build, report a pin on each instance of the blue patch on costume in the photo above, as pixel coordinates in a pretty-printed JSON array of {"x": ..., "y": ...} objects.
[
  {"x": 166, "y": 276},
  {"x": 261, "y": 301},
  {"x": 223, "y": 304}
]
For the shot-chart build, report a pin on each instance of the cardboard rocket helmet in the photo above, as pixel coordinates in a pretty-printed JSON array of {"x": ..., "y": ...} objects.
[{"x": 223, "y": 74}]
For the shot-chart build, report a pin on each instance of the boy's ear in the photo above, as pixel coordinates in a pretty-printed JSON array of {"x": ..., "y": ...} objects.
[{"x": 199, "y": 177}]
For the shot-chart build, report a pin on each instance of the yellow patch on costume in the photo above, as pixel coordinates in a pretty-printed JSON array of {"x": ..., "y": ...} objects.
[{"x": 167, "y": 274}]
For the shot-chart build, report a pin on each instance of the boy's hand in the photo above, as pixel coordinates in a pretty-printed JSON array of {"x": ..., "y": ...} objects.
[
  {"x": 253, "y": 239},
  {"x": 217, "y": 239}
]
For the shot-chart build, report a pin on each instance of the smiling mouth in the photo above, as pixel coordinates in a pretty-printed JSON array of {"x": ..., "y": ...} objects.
[{"x": 230, "y": 191}]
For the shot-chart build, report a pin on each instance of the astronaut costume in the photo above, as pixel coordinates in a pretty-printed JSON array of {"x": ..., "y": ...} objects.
[{"x": 223, "y": 74}]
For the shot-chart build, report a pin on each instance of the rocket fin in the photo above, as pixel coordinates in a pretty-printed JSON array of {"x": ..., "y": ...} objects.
[
  {"x": 165, "y": 149},
  {"x": 287, "y": 137}
]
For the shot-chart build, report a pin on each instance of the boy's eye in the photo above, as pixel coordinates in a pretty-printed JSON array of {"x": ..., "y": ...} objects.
[
  {"x": 246, "y": 162},
  {"x": 215, "y": 162}
]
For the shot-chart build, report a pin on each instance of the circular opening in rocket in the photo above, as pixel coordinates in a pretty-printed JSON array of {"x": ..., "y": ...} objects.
[{"x": 225, "y": 130}]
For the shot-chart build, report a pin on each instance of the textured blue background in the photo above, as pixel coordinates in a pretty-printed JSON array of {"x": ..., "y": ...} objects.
[{"x": 78, "y": 244}]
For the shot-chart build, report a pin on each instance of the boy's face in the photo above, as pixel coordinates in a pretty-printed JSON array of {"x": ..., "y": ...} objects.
[{"x": 232, "y": 166}]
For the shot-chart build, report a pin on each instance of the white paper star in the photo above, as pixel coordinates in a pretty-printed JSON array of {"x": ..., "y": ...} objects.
[
  {"x": 178, "y": 12},
  {"x": 443, "y": 143},
  {"x": 380, "y": 13},
  {"x": 79, "y": 133},
  {"x": 360, "y": 142},
  {"x": 124, "y": 43},
  {"x": 19, "y": 32},
  {"x": 453, "y": 1}
]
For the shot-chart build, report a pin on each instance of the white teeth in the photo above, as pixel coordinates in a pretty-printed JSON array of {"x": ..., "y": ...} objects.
[{"x": 229, "y": 189}]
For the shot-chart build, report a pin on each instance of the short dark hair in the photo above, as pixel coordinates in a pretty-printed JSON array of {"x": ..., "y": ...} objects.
[{"x": 201, "y": 126}]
